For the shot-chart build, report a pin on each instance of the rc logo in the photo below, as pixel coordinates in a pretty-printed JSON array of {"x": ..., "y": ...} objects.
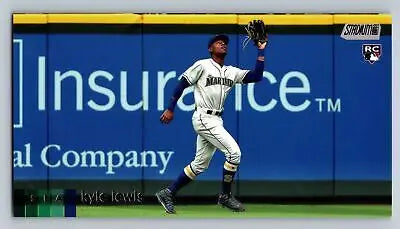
[
  {"x": 371, "y": 52},
  {"x": 18, "y": 115}
]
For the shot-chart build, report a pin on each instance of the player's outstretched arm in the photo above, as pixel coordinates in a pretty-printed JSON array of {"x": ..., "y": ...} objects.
[
  {"x": 256, "y": 75},
  {"x": 168, "y": 114}
]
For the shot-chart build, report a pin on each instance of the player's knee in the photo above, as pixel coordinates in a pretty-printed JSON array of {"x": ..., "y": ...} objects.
[
  {"x": 234, "y": 159},
  {"x": 234, "y": 156},
  {"x": 198, "y": 168}
]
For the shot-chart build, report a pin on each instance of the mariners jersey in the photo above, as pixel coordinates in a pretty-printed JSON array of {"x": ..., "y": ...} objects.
[{"x": 212, "y": 83}]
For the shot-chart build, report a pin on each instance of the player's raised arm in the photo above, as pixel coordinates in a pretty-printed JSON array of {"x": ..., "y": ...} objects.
[
  {"x": 256, "y": 75},
  {"x": 168, "y": 114}
]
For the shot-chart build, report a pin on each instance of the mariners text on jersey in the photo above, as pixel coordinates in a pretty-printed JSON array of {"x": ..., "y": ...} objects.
[
  {"x": 218, "y": 80},
  {"x": 207, "y": 72}
]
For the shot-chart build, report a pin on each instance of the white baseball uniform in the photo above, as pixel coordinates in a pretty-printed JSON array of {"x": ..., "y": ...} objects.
[{"x": 212, "y": 83}]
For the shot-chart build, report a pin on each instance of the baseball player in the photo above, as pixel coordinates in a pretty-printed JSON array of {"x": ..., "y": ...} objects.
[{"x": 212, "y": 81}]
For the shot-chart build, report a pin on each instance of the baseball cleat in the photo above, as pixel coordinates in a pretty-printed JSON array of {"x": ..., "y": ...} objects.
[
  {"x": 165, "y": 197},
  {"x": 229, "y": 201}
]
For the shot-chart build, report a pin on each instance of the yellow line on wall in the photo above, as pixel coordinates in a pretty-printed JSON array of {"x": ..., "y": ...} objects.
[
  {"x": 95, "y": 18},
  {"x": 362, "y": 19},
  {"x": 270, "y": 19},
  {"x": 189, "y": 19},
  {"x": 29, "y": 18},
  {"x": 288, "y": 19}
]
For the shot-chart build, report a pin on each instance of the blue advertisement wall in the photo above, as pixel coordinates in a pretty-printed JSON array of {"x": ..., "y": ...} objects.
[
  {"x": 90, "y": 103},
  {"x": 33, "y": 127},
  {"x": 90, "y": 115},
  {"x": 293, "y": 136},
  {"x": 370, "y": 107}
]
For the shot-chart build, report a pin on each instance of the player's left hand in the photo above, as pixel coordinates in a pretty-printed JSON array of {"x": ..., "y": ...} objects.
[
  {"x": 257, "y": 31},
  {"x": 167, "y": 116}
]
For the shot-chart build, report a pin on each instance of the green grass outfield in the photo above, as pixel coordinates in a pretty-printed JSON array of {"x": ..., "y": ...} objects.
[{"x": 252, "y": 211}]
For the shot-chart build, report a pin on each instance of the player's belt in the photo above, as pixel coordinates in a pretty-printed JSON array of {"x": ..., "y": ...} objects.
[{"x": 211, "y": 112}]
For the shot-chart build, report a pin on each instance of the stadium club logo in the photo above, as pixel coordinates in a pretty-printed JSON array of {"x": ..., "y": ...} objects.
[
  {"x": 361, "y": 32},
  {"x": 371, "y": 52}
]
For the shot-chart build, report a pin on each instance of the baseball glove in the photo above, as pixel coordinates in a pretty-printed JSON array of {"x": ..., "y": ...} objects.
[{"x": 257, "y": 32}]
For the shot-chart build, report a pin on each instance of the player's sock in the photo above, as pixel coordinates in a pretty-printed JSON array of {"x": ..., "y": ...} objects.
[
  {"x": 183, "y": 179},
  {"x": 228, "y": 175}
]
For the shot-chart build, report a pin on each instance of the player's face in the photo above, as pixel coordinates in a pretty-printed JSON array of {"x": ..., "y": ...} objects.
[{"x": 219, "y": 47}]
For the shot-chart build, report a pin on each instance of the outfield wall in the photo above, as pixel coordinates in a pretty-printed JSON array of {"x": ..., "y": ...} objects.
[{"x": 88, "y": 90}]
